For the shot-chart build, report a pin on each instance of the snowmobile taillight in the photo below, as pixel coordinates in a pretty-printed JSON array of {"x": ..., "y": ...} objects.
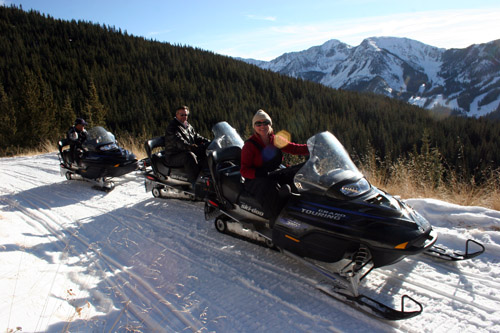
[
  {"x": 150, "y": 177},
  {"x": 117, "y": 165},
  {"x": 401, "y": 246},
  {"x": 213, "y": 203}
]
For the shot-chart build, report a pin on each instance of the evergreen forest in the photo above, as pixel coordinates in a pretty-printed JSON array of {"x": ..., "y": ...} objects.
[{"x": 52, "y": 71}]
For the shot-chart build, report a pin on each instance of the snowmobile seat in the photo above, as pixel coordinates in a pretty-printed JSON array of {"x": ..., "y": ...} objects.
[
  {"x": 153, "y": 143},
  {"x": 65, "y": 154},
  {"x": 158, "y": 163},
  {"x": 159, "y": 156},
  {"x": 230, "y": 182},
  {"x": 227, "y": 156},
  {"x": 149, "y": 146},
  {"x": 62, "y": 143},
  {"x": 225, "y": 170}
]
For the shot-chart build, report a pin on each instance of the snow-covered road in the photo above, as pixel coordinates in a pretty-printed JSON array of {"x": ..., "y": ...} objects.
[{"x": 76, "y": 259}]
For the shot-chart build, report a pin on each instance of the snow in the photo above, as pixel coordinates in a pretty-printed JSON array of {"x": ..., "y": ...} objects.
[
  {"x": 389, "y": 60},
  {"x": 77, "y": 259},
  {"x": 420, "y": 56},
  {"x": 478, "y": 111}
]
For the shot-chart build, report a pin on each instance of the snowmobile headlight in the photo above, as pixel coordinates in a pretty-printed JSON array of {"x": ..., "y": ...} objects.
[
  {"x": 108, "y": 147},
  {"x": 355, "y": 189},
  {"x": 421, "y": 221}
]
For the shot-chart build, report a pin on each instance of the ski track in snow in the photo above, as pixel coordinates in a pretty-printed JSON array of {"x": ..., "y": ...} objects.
[{"x": 124, "y": 260}]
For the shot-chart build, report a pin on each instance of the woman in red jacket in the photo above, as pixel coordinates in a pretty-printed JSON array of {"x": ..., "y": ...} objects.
[{"x": 260, "y": 155}]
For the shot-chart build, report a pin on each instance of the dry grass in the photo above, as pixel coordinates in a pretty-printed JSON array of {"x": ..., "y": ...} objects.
[
  {"x": 411, "y": 183},
  {"x": 133, "y": 144},
  {"x": 405, "y": 180},
  {"x": 44, "y": 147},
  {"x": 463, "y": 194}
]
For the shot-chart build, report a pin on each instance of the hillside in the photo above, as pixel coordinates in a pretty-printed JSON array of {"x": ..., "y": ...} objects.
[{"x": 52, "y": 71}]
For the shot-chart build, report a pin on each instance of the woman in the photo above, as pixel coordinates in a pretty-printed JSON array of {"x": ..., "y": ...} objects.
[{"x": 260, "y": 155}]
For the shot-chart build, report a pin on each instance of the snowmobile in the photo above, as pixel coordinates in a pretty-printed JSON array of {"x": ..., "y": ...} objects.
[
  {"x": 333, "y": 221},
  {"x": 101, "y": 160},
  {"x": 167, "y": 181}
]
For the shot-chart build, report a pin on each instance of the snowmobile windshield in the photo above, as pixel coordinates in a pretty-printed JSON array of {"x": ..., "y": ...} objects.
[
  {"x": 98, "y": 137},
  {"x": 224, "y": 136},
  {"x": 329, "y": 164}
]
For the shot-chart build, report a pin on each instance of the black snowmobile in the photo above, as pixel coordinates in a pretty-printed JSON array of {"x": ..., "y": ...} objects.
[
  {"x": 167, "y": 181},
  {"x": 334, "y": 221},
  {"x": 102, "y": 159}
]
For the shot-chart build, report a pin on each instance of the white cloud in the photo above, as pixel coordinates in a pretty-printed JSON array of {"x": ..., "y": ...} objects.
[
  {"x": 156, "y": 33},
  {"x": 445, "y": 29},
  {"x": 261, "y": 18}
]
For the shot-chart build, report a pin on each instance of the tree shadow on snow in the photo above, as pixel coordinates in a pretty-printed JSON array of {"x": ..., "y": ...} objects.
[
  {"x": 143, "y": 267},
  {"x": 56, "y": 195},
  {"x": 115, "y": 263}
]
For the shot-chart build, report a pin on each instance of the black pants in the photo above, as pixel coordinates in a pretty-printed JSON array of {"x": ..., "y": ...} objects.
[
  {"x": 266, "y": 191},
  {"x": 76, "y": 153},
  {"x": 189, "y": 161}
]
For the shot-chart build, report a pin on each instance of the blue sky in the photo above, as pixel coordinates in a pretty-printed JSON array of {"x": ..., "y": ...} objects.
[{"x": 266, "y": 29}]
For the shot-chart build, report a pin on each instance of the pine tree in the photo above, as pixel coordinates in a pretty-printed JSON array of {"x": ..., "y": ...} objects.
[
  {"x": 7, "y": 121},
  {"x": 65, "y": 115},
  {"x": 94, "y": 110},
  {"x": 28, "y": 110}
]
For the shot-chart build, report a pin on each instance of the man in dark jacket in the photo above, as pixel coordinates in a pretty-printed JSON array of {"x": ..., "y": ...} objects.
[
  {"x": 183, "y": 145},
  {"x": 76, "y": 136}
]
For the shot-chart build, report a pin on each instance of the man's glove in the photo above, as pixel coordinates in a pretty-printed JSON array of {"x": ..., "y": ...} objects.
[{"x": 261, "y": 172}]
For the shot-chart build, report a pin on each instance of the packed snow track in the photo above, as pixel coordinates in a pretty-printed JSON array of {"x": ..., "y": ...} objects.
[{"x": 76, "y": 259}]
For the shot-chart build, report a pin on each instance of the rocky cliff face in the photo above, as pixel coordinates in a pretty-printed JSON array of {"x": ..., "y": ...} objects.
[{"x": 465, "y": 80}]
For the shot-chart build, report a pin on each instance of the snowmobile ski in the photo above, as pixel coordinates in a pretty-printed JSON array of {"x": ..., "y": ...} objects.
[
  {"x": 446, "y": 254},
  {"x": 344, "y": 285},
  {"x": 101, "y": 184},
  {"x": 372, "y": 306}
]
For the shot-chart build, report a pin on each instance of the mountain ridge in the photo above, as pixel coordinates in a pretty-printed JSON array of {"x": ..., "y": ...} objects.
[{"x": 465, "y": 81}]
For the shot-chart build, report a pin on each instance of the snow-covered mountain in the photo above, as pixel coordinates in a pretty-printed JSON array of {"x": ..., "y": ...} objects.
[{"x": 467, "y": 79}]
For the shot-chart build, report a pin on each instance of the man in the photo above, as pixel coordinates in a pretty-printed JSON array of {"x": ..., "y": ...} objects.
[
  {"x": 183, "y": 145},
  {"x": 76, "y": 136}
]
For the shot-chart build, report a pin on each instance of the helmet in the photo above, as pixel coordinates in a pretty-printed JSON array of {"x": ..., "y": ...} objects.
[{"x": 80, "y": 121}]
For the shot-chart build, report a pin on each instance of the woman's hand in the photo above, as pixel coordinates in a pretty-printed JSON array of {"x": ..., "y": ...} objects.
[{"x": 282, "y": 139}]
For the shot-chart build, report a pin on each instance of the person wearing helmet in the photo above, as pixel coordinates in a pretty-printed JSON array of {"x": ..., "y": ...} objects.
[{"x": 76, "y": 136}]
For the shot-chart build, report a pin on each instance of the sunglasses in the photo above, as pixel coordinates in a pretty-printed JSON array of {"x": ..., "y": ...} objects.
[
  {"x": 262, "y": 123},
  {"x": 183, "y": 115}
]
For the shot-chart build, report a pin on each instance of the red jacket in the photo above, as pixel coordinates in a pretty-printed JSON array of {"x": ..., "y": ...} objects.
[{"x": 251, "y": 156}]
